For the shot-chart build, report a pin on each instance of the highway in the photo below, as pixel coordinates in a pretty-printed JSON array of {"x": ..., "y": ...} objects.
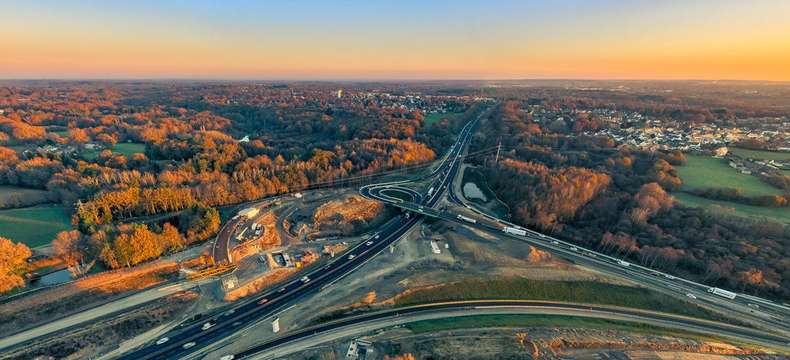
[
  {"x": 192, "y": 337},
  {"x": 366, "y": 323},
  {"x": 760, "y": 312}
]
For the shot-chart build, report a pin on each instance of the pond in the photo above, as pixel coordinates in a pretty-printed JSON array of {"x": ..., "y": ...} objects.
[
  {"x": 53, "y": 278},
  {"x": 471, "y": 191}
]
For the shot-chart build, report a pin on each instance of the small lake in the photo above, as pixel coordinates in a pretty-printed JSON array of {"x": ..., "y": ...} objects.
[
  {"x": 471, "y": 191},
  {"x": 53, "y": 278}
]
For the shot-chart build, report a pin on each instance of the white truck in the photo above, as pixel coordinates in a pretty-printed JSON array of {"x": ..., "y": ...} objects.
[
  {"x": 467, "y": 219},
  {"x": 430, "y": 191},
  {"x": 723, "y": 293},
  {"x": 514, "y": 231}
]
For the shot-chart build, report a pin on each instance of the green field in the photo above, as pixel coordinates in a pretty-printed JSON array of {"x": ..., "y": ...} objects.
[
  {"x": 778, "y": 214},
  {"x": 760, "y": 154},
  {"x": 707, "y": 172},
  {"x": 127, "y": 149},
  {"x": 34, "y": 226},
  {"x": 570, "y": 291},
  {"x": 434, "y": 117},
  {"x": 524, "y": 320}
]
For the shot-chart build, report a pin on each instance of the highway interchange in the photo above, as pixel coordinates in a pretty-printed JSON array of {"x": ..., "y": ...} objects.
[
  {"x": 195, "y": 336},
  {"x": 192, "y": 338}
]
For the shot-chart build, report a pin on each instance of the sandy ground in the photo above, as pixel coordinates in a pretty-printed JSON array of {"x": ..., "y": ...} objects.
[{"x": 411, "y": 263}]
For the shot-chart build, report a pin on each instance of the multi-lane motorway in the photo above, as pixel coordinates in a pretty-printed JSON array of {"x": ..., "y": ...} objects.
[
  {"x": 760, "y": 312},
  {"x": 369, "y": 322},
  {"x": 193, "y": 337}
]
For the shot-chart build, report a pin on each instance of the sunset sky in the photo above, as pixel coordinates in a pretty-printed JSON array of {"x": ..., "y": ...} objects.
[{"x": 404, "y": 39}]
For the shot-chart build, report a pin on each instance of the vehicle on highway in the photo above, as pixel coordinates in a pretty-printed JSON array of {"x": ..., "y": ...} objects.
[
  {"x": 623, "y": 263},
  {"x": 555, "y": 242},
  {"x": 228, "y": 357},
  {"x": 188, "y": 345},
  {"x": 263, "y": 301},
  {"x": 670, "y": 277},
  {"x": 162, "y": 340},
  {"x": 690, "y": 295},
  {"x": 230, "y": 312},
  {"x": 723, "y": 293},
  {"x": 514, "y": 231},
  {"x": 369, "y": 243},
  {"x": 573, "y": 248},
  {"x": 208, "y": 325},
  {"x": 351, "y": 257},
  {"x": 753, "y": 305},
  {"x": 467, "y": 219},
  {"x": 305, "y": 279}
]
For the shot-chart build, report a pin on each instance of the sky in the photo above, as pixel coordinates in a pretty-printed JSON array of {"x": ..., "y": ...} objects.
[{"x": 399, "y": 39}]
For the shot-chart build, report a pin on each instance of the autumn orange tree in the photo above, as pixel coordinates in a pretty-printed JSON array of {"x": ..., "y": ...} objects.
[{"x": 12, "y": 264}]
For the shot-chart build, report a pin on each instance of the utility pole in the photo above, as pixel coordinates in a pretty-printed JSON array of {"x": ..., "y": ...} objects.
[{"x": 498, "y": 147}]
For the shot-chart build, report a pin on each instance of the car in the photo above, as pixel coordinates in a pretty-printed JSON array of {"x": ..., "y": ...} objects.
[
  {"x": 305, "y": 279},
  {"x": 351, "y": 257},
  {"x": 230, "y": 312},
  {"x": 555, "y": 242},
  {"x": 369, "y": 243},
  {"x": 691, "y": 296},
  {"x": 188, "y": 345},
  {"x": 282, "y": 290},
  {"x": 162, "y": 340},
  {"x": 228, "y": 357},
  {"x": 753, "y": 305},
  {"x": 263, "y": 301},
  {"x": 573, "y": 248},
  {"x": 208, "y": 325}
]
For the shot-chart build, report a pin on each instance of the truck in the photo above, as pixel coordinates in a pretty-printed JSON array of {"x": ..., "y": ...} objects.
[
  {"x": 430, "y": 191},
  {"x": 467, "y": 219},
  {"x": 623, "y": 263},
  {"x": 514, "y": 231},
  {"x": 723, "y": 293}
]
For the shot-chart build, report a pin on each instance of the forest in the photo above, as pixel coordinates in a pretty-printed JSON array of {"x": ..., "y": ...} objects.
[
  {"x": 619, "y": 200},
  {"x": 202, "y": 146}
]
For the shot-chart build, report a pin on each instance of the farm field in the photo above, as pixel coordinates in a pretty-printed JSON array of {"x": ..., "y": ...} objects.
[
  {"x": 707, "y": 172},
  {"x": 127, "y": 149},
  {"x": 34, "y": 226},
  {"x": 14, "y": 196},
  {"x": 760, "y": 154},
  {"x": 434, "y": 117},
  {"x": 778, "y": 214}
]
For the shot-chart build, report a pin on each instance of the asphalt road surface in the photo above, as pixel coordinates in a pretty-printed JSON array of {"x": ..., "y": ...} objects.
[
  {"x": 192, "y": 337},
  {"x": 355, "y": 325}
]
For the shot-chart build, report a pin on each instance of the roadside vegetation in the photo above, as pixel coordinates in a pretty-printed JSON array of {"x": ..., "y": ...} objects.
[{"x": 568, "y": 291}]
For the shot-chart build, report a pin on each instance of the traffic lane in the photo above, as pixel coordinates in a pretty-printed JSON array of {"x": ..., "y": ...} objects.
[
  {"x": 280, "y": 298},
  {"x": 465, "y": 308},
  {"x": 633, "y": 274}
]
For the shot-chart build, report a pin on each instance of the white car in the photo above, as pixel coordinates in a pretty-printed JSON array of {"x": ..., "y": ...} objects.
[
  {"x": 207, "y": 325},
  {"x": 228, "y": 357},
  {"x": 188, "y": 345},
  {"x": 369, "y": 243},
  {"x": 305, "y": 279},
  {"x": 351, "y": 257},
  {"x": 691, "y": 296},
  {"x": 162, "y": 340}
]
